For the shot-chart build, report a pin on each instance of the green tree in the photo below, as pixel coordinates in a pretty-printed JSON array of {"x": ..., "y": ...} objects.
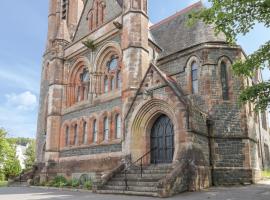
[
  {"x": 11, "y": 167},
  {"x": 30, "y": 155},
  {"x": 9, "y": 163},
  {"x": 233, "y": 18}
]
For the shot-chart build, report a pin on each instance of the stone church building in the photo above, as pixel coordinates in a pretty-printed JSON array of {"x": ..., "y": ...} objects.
[{"x": 141, "y": 108}]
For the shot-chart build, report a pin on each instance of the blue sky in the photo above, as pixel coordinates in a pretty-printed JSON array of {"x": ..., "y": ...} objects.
[{"x": 22, "y": 40}]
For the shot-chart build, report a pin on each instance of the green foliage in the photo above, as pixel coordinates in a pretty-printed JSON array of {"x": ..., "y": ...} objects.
[
  {"x": 30, "y": 155},
  {"x": 234, "y": 18},
  {"x": 58, "y": 181},
  {"x": 12, "y": 167},
  {"x": 3, "y": 183},
  {"x": 75, "y": 182},
  {"x": 20, "y": 141},
  {"x": 88, "y": 185},
  {"x": 266, "y": 174},
  {"x": 90, "y": 44},
  {"x": 9, "y": 163}
]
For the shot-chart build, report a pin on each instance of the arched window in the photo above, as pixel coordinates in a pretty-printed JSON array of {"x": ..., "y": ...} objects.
[
  {"x": 194, "y": 77},
  {"x": 67, "y": 136},
  {"x": 76, "y": 134},
  {"x": 106, "y": 129},
  {"x": 84, "y": 133},
  {"x": 119, "y": 80},
  {"x": 113, "y": 63},
  {"x": 224, "y": 81},
  {"x": 85, "y": 79},
  {"x": 95, "y": 131},
  {"x": 118, "y": 126},
  {"x": 106, "y": 84},
  {"x": 97, "y": 14}
]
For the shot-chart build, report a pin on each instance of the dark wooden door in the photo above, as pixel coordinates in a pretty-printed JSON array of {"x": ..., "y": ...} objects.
[{"x": 162, "y": 141}]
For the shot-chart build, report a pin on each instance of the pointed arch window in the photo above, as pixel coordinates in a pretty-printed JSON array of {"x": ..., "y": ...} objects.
[
  {"x": 194, "y": 77},
  {"x": 118, "y": 126},
  {"x": 67, "y": 136},
  {"x": 106, "y": 129},
  {"x": 96, "y": 16},
  {"x": 84, "y": 132},
  {"x": 95, "y": 131},
  {"x": 224, "y": 80}
]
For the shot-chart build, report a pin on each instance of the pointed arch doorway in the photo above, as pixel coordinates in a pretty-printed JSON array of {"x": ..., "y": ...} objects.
[{"x": 162, "y": 140}]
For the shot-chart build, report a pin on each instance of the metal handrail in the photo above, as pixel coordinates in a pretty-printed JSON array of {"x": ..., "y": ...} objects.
[{"x": 133, "y": 164}]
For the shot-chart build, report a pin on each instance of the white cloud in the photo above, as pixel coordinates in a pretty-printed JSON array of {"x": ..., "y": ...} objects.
[{"x": 23, "y": 101}]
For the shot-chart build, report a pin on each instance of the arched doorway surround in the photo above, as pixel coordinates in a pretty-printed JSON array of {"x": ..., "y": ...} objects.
[{"x": 140, "y": 124}]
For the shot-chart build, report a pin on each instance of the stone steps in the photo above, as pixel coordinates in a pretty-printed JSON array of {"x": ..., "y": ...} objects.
[
  {"x": 127, "y": 192},
  {"x": 146, "y": 176},
  {"x": 133, "y": 183},
  {"x": 19, "y": 184},
  {"x": 131, "y": 188},
  {"x": 137, "y": 185}
]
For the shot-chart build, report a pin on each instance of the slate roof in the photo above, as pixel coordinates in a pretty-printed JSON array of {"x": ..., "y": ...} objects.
[{"x": 173, "y": 34}]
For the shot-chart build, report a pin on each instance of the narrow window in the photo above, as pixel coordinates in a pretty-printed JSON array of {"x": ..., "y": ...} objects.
[
  {"x": 112, "y": 83},
  {"x": 95, "y": 131},
  {"x": 64, "y": 9},
  {"x": 76, "y": 134},
  {"x": 106, "y": 85},
  {"x": 67, "y": 136},
  {"x": 224, "y": 81},
  {"x": 119, "y": 82},
  {"x": 106, "y": 129},
  {"x": 118, "y": 126},
  {"x": 194, "y": 76},
  {"x": 84, "y": 133}
]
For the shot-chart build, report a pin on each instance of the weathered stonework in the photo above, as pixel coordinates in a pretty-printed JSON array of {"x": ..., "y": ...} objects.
[{"x": 99, "y": 104}]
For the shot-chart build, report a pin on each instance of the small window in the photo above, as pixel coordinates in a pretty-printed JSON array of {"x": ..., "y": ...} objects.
[
  {"x": 76, "y": 134},
  {"x": 119, "y": 81},
  {"x": 84, "y": 133},
  {"x": 95, "y": 131},
  {"x": 106, "y": 129},
  {"x": 118, "y": 126},
  {"x": 224, "y": 81},
  {"x": 106, "y": 84},
  {"x": 112, "y": 83},
  {"x": 67, "y": 136},
  {"x": 194, "y": 76}
]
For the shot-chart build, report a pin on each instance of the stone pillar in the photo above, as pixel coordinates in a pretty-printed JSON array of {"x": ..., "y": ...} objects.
[
  {"x": 54, "y": 109},
  {"x": 135, "y": 49}
]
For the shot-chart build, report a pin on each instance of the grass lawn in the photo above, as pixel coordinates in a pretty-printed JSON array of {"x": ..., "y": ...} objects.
[
  {"x": 3, "y": 183},
  {"x": 266, "y": 174}
]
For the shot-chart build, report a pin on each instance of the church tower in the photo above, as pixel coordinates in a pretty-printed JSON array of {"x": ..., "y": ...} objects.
[
  {"x": 62, "y": 20},
  {"x": 135, "y": 47}
]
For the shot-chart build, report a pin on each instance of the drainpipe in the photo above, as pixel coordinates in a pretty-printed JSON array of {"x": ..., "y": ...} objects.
[{"x": 211, "y": 143}]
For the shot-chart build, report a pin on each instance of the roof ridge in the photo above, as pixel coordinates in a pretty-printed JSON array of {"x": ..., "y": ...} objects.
[{"x": 185, "y": 10}]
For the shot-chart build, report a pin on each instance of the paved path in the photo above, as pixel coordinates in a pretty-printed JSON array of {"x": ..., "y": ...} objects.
[{"x": 253, "y": 192}]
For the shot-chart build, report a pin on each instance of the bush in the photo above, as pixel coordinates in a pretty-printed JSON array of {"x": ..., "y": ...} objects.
[
  {"x": 75, "y": 182},
  {"x": 87, "y": 185},
  {"x": 58, "y": 181}
]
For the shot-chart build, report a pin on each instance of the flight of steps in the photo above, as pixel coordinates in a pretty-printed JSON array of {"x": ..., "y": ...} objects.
[{"x": 137, "y": 185}]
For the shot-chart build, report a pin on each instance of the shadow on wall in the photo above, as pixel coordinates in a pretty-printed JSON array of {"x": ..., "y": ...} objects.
[{"x": 191, "y": 173}]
